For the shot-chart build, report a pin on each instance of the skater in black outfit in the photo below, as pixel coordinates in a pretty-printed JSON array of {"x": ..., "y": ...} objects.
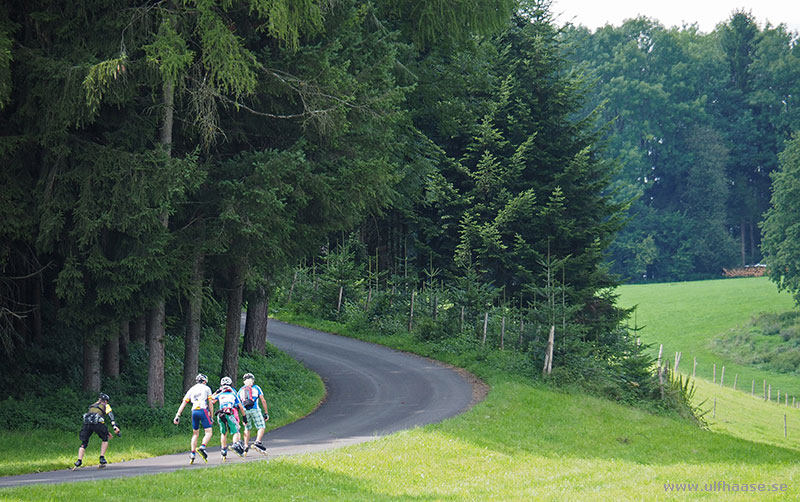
[{"x": 94, "y": 422}]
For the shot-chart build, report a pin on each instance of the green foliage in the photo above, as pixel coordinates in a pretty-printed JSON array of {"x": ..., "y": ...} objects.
[
  {"x": 781, "y": 226},
  {"x": 696, "y": 121},
  {"x": 449, "y": 319},
  {"x": 169, "y": 53}
]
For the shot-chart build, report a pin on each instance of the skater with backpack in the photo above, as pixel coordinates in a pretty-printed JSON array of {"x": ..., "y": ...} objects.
[
  {"x": 227, "y": 417},
  {"x": 94, "y": 422},
  {"x": 250, "y": 395},
  {"x": 202, "y": 409}
]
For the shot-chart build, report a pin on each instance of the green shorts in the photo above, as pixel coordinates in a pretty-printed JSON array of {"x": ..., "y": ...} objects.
[
  {"x": 255, "y": 420},
  {"x": 227, "y": 423}
]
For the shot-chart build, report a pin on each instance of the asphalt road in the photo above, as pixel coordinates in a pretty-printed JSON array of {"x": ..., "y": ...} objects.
[{"x": 371, "y": 391}]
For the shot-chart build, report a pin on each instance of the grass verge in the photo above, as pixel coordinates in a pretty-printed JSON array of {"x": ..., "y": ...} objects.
[
  {"x": 525, "y": 442},
  {"x": 292, "y": 391}
]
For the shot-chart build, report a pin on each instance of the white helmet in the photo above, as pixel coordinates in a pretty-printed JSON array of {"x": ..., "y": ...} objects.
[
  {"x": 226, "y": 381},
  {"x": 201, "y": 378}
]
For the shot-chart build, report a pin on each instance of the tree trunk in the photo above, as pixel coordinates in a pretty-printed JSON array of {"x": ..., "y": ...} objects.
[
  {"x": 91, "y": 367},
  {"x": 191, "y": 350},
  {"x": 156, "y": 316},
  {"x": 741, "y": 238},
  {"x": 111, "y": 357},
  {"x": 233, "y": 324},
  {"x": 124, "y": 339},
  {"x": 255, "y": 328},
  {"x": 139, "y": 331},
  {"x": 156, "y": 350}
]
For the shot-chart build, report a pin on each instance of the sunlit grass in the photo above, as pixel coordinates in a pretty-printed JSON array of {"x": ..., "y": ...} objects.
[{"x": 525, "y": 442}]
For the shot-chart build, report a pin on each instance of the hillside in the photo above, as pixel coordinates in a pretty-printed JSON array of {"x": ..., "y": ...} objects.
[{"x": 686, "y": 317}]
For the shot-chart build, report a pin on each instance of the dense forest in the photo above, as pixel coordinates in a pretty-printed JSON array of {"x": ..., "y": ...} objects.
[
  {"x": 166, "y": 164},
  {"x": 696, "y": 121}
]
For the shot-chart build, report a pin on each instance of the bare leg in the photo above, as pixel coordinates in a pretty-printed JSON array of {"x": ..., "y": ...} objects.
[
  {"x": 103, "y": 448},
  {"x": 209, "y": 431},
  {"x": 81, "y": 451},
  {"x": 195, "y": 435}
]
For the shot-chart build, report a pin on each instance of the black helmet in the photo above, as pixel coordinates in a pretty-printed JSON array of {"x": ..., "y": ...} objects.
[
  {"x": 201, "y": 378},
  {"x": 104, "y": 397}
]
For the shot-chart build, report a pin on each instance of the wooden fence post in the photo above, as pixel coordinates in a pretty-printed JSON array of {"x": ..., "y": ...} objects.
[
  {"x": 411, "y": 314},
  {"x": 339, "y": 306},
  {"x": 677, "y": 362},
  {"x": 735, "y": 379},
  {"x": 502, "y": 333},
  {"x": 694, "y": 368},
  {"x": 714, "y": 374},
  {"x": 660, "y": 348},
  {"x": 548, "y": 356},
  {"x": 291, "y": 289},
  {"x": 485, "y": 326},
  {"x": 722, "y": 377}
]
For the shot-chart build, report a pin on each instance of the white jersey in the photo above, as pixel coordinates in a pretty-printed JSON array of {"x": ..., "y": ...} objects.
[{"x": 198, "y": 395}]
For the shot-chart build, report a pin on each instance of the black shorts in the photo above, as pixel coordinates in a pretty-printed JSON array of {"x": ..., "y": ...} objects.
[{"x": 88, "y": 429}]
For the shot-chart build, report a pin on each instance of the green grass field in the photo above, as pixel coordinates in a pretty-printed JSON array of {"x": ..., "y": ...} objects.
[
  {"x": 528, "y": 442},
  {"x": 685, "y": 316},
  {"x": 525, "y": 442}
]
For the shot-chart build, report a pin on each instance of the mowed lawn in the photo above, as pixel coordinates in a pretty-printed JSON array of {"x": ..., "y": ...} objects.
[{"x": 686, "y": 316}]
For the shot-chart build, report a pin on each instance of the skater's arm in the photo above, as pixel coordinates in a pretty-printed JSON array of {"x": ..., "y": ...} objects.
[
  {"x": 264, "y": 402},
  {"x": 110, "y": 414},
  {"x": 180, "y": 410}
]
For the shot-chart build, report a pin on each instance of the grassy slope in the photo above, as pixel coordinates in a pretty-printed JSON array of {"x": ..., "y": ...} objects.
[
  {"x": 525, "y": 442},
  {"x": 685, "y": 316}
]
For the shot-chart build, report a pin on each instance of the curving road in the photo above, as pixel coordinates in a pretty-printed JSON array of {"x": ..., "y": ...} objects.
[{"x": 371, "y": 391}]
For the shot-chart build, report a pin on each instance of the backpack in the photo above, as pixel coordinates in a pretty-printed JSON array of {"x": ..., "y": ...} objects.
[
  {"x": 95, "y": 414},
  {"x": 249, "y": 402}
]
